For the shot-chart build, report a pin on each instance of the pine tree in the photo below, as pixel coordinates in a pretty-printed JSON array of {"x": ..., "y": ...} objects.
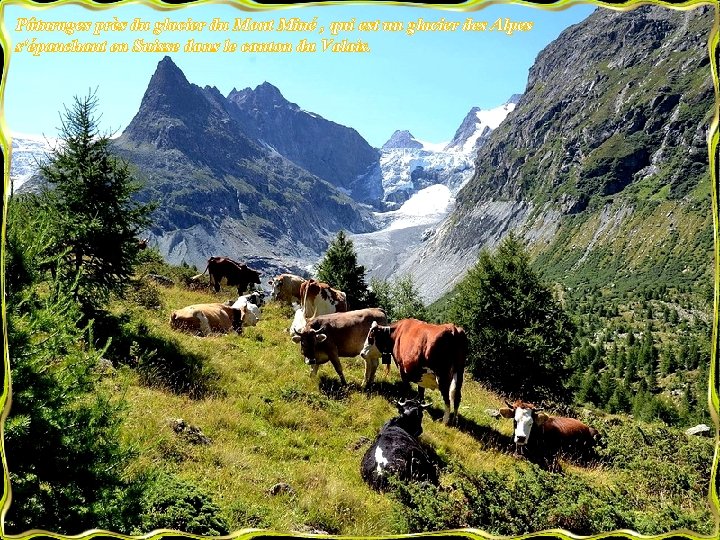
[
  {"x": 64, "y": 454},
  {"x": 98, "y": 220},
  {"x": 519, "y": 335},
  {"x": 339, "y": 268}
]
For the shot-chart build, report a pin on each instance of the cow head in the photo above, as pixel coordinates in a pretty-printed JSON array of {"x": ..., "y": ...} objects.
[
  {"x": 410, "y": 417},
  {"x": 308, "y": 339},
  {"x": 378, "y": 336},
  {"x": 254, "y": 275},
  {"x": 524, "y": 416},
  {"x": 275, "y": 284}
]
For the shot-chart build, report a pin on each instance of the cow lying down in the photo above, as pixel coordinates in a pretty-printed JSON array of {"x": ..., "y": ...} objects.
[
  {"x": 206, "y": 319},
  {"x": 545, "y": 438},
  {"x": 397, "y": 452}
]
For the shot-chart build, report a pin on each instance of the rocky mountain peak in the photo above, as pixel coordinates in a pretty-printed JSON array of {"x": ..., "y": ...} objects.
[
  {"x": 264, "y": 96},
  {"x": 167, "y": 84},
  {"x": 402, "y": 139},
  {"x": 478, "y": 124}
]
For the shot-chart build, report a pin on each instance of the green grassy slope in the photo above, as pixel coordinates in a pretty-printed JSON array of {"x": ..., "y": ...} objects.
[{"x": 270, "y": 422}]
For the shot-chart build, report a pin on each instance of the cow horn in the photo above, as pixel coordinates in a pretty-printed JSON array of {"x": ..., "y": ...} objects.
[
  {"x": 425, "y": 405},
  {"x": 402, "y": 403}
]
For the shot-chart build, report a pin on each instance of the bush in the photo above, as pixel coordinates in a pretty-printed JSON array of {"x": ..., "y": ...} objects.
[
  {"x": 170, "y": 503},
  {"x": 399, "y": 299},
  {"x": 519, "y": 335},
  {"x": 528, "y": 499}
]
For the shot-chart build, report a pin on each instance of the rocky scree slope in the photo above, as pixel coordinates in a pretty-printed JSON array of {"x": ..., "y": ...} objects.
[{"x": 603, "y": 165}]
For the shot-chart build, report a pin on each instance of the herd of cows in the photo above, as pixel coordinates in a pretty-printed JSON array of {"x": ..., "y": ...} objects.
[{"x": 430, "y": 355}]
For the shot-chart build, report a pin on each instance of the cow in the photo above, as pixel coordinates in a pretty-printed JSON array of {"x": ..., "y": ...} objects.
[
  {"x": 317, "y": 298},
  {"x": 431, "y": 355},
  {"x": 205, "y": 319},
  {"x": 250, "y": 311},
  {"x": 286, "y": 288},
  {"x": 328, "y": 337},
  {"x": 298, "y": 322},
  {"x": 397, "y": 452},
  {"x": 255, "y": 297},
  {"x": 548, "y": 437},
  {"x": 236, "y": 274}
]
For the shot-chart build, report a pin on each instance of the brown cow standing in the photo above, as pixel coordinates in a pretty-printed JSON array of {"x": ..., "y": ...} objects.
[
  {"x": 237, "y": 274},
  {"x": 319, "y": 298},
  {"x": 431, "y": 355},
  {"x": 547, "y": 437},
  {"x": 329, "y": 337}
]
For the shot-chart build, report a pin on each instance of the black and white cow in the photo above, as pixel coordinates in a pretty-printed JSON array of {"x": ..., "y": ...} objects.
[{"x": 397, "y": 452}]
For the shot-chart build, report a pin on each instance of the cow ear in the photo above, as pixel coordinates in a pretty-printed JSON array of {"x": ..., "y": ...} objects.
[
  {"x": 319, "y": 338},
  {"x": 296, "y": 338},
  {"x": 506, "y": 412},
  {"x": 541, "y": 418}
]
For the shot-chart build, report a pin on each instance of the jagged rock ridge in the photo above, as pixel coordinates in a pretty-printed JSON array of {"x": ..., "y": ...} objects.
[{"x": 219, "y": 191}]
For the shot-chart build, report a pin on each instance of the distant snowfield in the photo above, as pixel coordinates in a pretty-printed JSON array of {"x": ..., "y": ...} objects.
[
  {"x": 402, "y": 231},
  {"x": 27, "y": 152},
  {"x": 426, "y": 207}
]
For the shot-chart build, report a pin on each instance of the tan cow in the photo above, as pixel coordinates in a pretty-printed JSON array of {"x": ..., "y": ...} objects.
[
  {"x": 205, "y": 319},
  {"x": 328, "y": 337},
  {"x": 318, "y": 298},
  {"x": 286, "y": 288}
]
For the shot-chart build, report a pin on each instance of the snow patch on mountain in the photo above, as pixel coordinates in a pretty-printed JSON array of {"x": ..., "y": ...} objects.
[
  {"x": 409, "y": 165},
  {"x": 27, "y": 153}
]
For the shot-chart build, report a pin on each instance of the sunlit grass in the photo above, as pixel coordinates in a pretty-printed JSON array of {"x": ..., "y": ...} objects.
[{"x": 271, "y": 423}]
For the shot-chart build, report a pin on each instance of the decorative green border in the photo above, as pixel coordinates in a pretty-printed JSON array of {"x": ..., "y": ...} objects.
[{"x": 470, "y": 5}]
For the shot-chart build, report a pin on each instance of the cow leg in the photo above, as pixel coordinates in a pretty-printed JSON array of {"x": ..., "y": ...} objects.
[
  {"x": 371, "y": 365},
  {"x": 338, "y": 367},
  {"x": 421, "y": 393},
  {"x": 444, "y": 386},
  {"x": 204, "y": 323},
  {"x": 455, "y": 393}
]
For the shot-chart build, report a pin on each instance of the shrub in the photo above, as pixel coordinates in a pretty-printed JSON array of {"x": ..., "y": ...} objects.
[
  {"x": 400, "y": 299},
  {"x": 519, "y": 335},
  {"x": 170, "y": 503}
]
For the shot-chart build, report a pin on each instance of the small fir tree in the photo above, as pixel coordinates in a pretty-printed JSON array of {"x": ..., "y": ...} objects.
[
  {"x": 519, "y": 334},
  {"x": 98, "y": 220},
  {"x": 339, "y": 268}
]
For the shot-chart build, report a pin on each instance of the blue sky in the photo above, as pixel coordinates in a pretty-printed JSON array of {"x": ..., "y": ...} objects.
[{"x": 425, "y": 82}]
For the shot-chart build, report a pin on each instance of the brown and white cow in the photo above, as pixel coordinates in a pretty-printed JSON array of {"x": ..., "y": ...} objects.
[
  {"x": 547, "y": 437},
  {"x": 328, "y": 337},
  {"x": 318, "y": 298},
  {"x": 431, "y": 355},
  {"x": 205, "y": 319},
  {"x": 286, "y": 288},
  {"x": 236, "y": 274}
]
